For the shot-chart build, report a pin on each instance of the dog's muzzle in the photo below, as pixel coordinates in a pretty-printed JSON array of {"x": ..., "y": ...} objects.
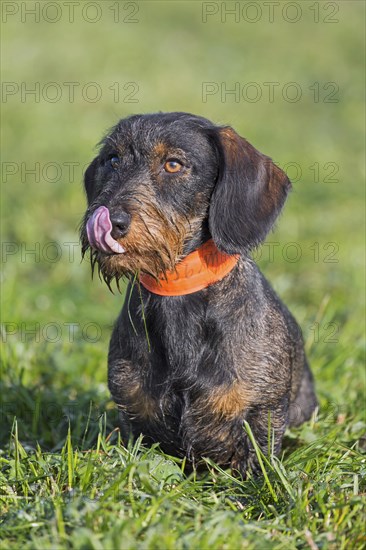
[{"x": 99, "y": 228}]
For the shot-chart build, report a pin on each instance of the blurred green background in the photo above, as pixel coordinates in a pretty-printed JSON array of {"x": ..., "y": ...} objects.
[{"x": 150, "y": 56}]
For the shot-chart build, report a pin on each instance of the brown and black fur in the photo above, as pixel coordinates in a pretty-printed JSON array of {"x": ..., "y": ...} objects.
[{"x": 186, "y": 371}]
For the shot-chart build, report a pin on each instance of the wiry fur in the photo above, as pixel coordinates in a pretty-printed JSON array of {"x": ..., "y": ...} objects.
[{"x": 186, "y": 371}]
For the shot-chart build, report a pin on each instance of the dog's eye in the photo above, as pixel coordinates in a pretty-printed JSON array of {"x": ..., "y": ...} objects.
[
  {"x": 173, "y": 166},
  {"x": 114, "y": 162}
]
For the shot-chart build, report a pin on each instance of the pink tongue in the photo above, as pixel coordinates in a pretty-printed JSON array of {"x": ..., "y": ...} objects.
[{"x": 98, "y": 228}]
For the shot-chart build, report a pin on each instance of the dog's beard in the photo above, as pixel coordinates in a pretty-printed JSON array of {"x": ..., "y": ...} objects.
[{"x": 153, "y": 245}]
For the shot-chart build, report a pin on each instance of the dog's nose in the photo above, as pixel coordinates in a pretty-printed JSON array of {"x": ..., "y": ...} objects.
[{"x": 120, "y": 224}]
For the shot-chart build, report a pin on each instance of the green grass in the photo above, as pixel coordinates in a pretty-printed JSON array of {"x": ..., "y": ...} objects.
[{"x": 66, "y": 481}]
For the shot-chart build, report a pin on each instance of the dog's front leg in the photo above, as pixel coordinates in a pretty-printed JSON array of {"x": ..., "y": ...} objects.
[{"x": 267, "y": 426}]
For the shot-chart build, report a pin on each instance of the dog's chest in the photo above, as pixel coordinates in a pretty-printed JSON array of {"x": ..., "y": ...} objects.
[
  {"x": 174, "y": 376},
  {"x": 182, "y": 375}
]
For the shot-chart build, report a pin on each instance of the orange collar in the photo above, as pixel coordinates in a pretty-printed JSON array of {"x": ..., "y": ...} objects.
[{"x": 201, "y": 268}]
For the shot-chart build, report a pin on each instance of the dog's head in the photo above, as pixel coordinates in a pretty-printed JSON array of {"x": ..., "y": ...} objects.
[{"x": 165, "y": 183}]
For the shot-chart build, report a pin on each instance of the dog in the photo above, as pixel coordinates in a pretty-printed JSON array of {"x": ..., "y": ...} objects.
[{"x": 202, "y": 344}]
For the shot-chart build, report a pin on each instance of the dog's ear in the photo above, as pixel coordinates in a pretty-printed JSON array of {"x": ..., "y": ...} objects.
[
  {"x": 249, "y": 194},
  {"x": 90, "y": 182}
]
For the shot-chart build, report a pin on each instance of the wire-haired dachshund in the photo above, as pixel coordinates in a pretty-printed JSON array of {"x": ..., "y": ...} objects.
[{"x": 202, "y": 344}]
